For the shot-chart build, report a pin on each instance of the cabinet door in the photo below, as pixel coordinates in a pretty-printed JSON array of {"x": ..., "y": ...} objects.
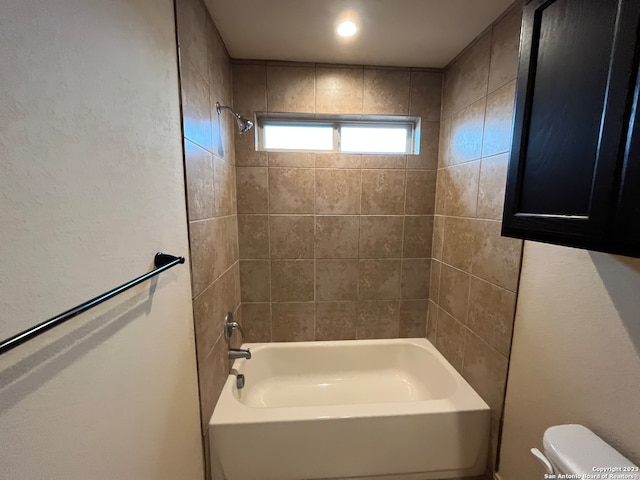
[
  {"x": 627, "y": 228},
  {"x": 573, "y": 95}
]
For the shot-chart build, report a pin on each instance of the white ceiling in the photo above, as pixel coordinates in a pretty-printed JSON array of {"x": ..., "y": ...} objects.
[{"x": 408, "y": 33}]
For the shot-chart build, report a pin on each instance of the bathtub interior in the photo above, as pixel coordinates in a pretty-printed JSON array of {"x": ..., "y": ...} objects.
[{"x": 335, "y": 373}]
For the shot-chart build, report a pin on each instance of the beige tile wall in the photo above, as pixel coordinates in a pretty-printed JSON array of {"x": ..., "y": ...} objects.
[
  {"x": 206, "y": 77},
  {"x": 327, "y": 246},
  {"x": 475, "y": 271},
  {"x": 335, "y": 246}
]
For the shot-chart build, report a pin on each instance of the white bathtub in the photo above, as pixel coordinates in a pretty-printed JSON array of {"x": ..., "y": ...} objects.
[{"x": 348, "y": 409}]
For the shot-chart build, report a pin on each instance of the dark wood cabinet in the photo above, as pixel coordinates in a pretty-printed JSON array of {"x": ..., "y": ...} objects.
[
  {"x": 627, "y": 220},
  {"x": 574, "y": 172}
]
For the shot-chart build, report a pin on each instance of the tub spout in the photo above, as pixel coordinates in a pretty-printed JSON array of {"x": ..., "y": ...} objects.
[{"x": 239, "y": 353}]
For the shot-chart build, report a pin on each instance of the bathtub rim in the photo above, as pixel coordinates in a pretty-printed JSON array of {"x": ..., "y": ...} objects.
[{"x": 229, "y": 410}]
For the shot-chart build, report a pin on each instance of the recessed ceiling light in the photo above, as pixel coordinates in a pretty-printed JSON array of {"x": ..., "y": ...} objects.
[{"x": 347, "y": 29}]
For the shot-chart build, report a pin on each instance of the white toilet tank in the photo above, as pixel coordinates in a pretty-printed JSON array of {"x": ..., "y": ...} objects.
[{"x": 577, "y": 452}]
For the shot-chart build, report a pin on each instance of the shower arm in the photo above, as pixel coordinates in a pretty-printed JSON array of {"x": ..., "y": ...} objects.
[
  {"x": 244, "y": 124},
  {"x": 220, "y": 107}
]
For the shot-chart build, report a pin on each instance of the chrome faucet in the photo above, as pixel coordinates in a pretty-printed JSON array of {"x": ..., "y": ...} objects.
[
  {"x": 239, "y": 353},
  {"x": 229, "y": 326}
]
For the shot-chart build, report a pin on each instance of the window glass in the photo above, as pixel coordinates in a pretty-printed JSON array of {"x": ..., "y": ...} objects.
[
  {"x": 298, "y": 137},
  {"x": 373, "y": 139}
]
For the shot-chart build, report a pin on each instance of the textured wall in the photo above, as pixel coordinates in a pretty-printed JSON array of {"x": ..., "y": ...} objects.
[
  {"x": 575, "y": 355},
  {"x": 475, "y": 270},
  {"x": 335, "y": 246},
  {"x": 92, "y": 186},
  {"x": 205, "y": 75}
]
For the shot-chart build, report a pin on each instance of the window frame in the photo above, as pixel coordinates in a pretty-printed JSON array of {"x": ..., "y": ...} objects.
[{"x": 412, "y": 124}]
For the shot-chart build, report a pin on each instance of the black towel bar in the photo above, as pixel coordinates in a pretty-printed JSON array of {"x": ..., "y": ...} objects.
[{"x": 162, "y": 261}]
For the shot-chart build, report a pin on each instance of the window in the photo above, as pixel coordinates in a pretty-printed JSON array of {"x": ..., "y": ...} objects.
[
  {"x": 374, "y": 139},
  {"x": 344, "y": 133},
  {"x": 311, "y": 136}
]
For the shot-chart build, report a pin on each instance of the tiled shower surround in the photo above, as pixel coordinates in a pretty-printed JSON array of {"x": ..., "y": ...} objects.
[
  {"x": 330, "y": 246},
  {"x": 335, "y": 246},
  {"x": 205, "y": 77},
  {"x": 475, "y": 271}
]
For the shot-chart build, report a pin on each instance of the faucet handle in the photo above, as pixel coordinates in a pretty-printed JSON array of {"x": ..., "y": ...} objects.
[{"x": 230, "y": 325}]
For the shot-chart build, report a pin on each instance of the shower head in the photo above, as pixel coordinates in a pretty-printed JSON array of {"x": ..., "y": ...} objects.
[{"x": 244, "y": 124}]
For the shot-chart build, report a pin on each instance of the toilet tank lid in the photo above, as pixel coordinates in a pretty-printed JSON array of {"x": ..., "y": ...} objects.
[{"x": 574, "y": 449}]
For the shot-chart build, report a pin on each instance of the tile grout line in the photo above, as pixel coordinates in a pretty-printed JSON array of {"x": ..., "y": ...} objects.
[
  {"x": 315, "y": 232},
  {"x": 363, "y": 93},
  {"x": 359, "y": 234},
  {"x": 409, "y": 72},
  {"x": 404, "y": 221},
  {"x": 315, "y": 260},
  {"x": 269, "y": 238},
  {"x": 315, "y": 88}
]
